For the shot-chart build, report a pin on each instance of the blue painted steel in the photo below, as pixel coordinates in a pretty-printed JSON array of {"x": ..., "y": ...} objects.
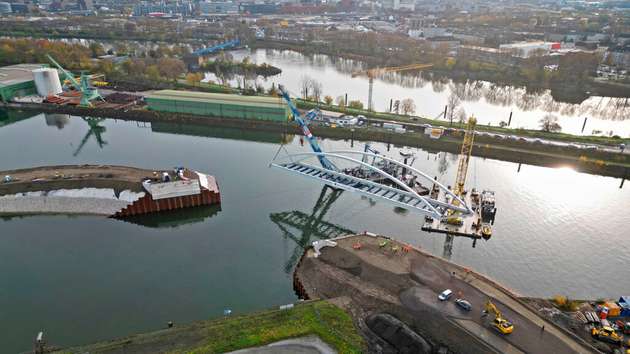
[
  {"x": 327, "y": 164},
  {"x": 216, "y": 48}
]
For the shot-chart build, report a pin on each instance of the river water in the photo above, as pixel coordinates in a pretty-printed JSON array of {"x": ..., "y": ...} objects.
[
  {"x": 490, "y": 103},
  {"x": 85, "y": 278}
]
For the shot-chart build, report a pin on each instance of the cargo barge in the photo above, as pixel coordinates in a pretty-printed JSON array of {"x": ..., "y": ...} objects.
[{"x": 113, "y": 191}]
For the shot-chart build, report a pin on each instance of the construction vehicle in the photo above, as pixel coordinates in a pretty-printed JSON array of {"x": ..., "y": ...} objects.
[
  {"x": 88, "y": 93},
  {"x": 375, "y": 72},
  {"x": 462, "y": 169},
  {"x": 499, "y": 323},
  {"x": 606, "y": 334}
]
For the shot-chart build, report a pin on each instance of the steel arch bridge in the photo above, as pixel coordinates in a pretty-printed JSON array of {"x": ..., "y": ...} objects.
[{"x": 381, "y": 179}]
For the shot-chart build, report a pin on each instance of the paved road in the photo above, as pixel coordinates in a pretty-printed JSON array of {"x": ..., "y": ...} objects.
[{"x": 528, "y": 335}]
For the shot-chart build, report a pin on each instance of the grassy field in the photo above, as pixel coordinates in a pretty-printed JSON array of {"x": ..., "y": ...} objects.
[
  {"x": 329, "y": 322},
  {"x": 323, "y": 319}
]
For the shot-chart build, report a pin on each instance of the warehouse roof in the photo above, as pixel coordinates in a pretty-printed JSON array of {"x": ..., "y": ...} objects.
[
  {"x": 17, "y": 74},
  {"x": 222, "y": 98}
]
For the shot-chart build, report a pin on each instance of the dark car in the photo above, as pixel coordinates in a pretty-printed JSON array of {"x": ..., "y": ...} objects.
[{"x": 463, "y": 304}]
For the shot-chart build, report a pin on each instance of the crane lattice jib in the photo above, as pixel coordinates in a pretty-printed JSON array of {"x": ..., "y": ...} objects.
[
  {"x": 464, "y": 156},
  {"x": 327, "y": 164},
  {"x": 66, "y": 74}
]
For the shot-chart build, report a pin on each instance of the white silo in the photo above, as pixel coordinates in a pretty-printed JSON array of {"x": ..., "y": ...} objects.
[{"x": 47, "y": 81}]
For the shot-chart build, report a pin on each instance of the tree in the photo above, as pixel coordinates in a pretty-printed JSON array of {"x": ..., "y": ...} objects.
[
  {"x": 356, "y": 104},
  {"x": 96, "y": 49},
  {"x": 153, "y": 72},
  {"x": 316, "y": 90},
  {"x": 549, "y": 123},
  {"x": 452, "y": 103},
  {"x": 171, "y": 68},
  {"x": 194, "y": 79},
  {"x": 305, "y": 85},
  {"x": 328, "y": 100},
  {"x": 408, "y": 106},
  {"x": 341, "y": 101}
]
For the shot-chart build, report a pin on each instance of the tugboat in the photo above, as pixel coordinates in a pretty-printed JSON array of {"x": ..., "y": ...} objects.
[{"x": 488, "y": 209}]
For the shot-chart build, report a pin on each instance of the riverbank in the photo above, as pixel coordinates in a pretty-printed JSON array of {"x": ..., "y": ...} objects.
[
  {"x": 324, "y": 320},
  {"x": 393, "y": 288},
  {"x": 599, "y": 162}
]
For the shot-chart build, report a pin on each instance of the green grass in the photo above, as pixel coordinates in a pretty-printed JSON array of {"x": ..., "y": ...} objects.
[{"x": 333, "y": 325}]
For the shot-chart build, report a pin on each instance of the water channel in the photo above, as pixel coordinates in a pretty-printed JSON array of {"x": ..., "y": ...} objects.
[
  {"x": 490, "y": 103},
  {"x": 85, "y": 278}
]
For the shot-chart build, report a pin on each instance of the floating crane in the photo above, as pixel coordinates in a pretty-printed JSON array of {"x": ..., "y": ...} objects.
[
  {"x": 88, "y": 93},
  {"x": 376, "y": 72},
  {"x": 500, "y": 323},
  {"x": 462, "y": 167},
  {"x": 381, "y": 179}
]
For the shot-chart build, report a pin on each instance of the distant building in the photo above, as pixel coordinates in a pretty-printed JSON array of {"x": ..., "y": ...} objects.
[
  {"x": 256, "y": 9},
  {"x": 218, "y": 7},
  {"x": 144, "y": 8},
  {"x": 399, "y": 4},
  {"x": 528, "y": 49},
  {"x": 5, "y": 8},
  {"x": 429, "y": 32},
  {"x": 19, "y": 8}
]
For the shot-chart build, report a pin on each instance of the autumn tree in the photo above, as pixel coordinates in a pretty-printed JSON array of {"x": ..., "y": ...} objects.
[
  {"x": 328, "y": 100},
  {"x": 171, "y": 68},
  {"x": 355, "y": 104}
]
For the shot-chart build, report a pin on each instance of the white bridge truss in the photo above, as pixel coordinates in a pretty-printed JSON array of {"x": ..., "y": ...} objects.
[{"x": 394, "y": 191}]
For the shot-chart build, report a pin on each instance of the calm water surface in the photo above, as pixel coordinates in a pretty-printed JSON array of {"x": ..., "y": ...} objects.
[
  {"x": 85, "y": 278},
  {"x": 490, "y": 103}
]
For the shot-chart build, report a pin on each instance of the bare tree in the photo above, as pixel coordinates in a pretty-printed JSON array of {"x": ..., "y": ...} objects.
[
  {"x": 305, "y": 85},
  {"x": 408, "y": 106},
  {"x": 549, "y": 123},
  {"x": 316, "y": 90},
  {"x": 452, "y": 103}
]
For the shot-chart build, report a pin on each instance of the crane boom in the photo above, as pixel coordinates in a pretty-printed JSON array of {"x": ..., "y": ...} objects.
[
  {"x": 372, "y": 73},
  {"x": 66, "y": 74},
  {"x": 327, "y": 164},
  {"x": 464, "y": 156}
]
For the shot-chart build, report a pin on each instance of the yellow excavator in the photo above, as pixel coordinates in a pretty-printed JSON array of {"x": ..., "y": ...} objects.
[
  {"x": 606, "y": 334},
  {"x": 500, "y": 323}
]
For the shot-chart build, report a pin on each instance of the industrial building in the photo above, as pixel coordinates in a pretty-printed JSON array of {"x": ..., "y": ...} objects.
[
  {"x": 17, "y": 80},
  {"x": 219, "y": 105}
]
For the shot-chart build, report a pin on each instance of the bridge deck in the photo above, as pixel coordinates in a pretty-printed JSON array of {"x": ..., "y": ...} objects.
[{"x": 372, "y": 189}]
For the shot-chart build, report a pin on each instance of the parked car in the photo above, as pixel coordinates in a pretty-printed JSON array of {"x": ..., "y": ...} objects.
[
  {"x": 445, "y": 295},
  {"x": 463, "y": 304}
]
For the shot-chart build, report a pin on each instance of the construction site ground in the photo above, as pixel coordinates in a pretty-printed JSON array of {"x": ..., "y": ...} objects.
[
  {"x": 385, "y": 276},
  {"x": 74, "y": 177}
]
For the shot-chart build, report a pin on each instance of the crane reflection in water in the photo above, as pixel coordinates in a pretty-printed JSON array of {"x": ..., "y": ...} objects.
[
  {"x": 94, "y": 129},
  {"x": 303, "y": 228}
]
